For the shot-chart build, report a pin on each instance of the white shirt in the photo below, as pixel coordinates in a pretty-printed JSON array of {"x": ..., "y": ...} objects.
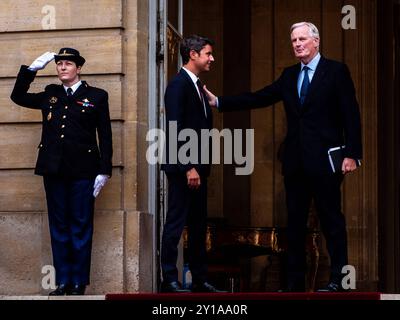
[
  {"x": 312, "y": 66},
  {"x": 74, "y": 87},
  {"x": 194, "y": 79}
]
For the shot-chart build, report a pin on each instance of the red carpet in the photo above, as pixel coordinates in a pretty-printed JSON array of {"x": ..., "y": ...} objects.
[{"x": 256, "y": 296}]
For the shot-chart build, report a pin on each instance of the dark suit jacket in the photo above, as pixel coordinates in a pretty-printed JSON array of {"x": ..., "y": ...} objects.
[
  {"x": 329, "y": 118},
  {"x": 183, "y": 105},
  {"x": 68, "y": 144}
]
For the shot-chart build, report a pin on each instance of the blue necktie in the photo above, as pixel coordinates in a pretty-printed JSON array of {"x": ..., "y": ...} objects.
[
  {"x": 69, "y": 92},
  {"x": 304, "y": 85}
]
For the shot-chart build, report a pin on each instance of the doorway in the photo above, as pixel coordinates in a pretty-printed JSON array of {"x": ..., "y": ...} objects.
[
  {"x": 251, "y": 49},
  {"x": 389, "y": 154},
  {"x": 165, "y": 32}
]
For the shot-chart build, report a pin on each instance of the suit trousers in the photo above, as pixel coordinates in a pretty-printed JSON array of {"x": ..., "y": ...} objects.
[
  {"x": 301, "y": 188},
  {"x": 185, "y": 206},
  {"x": 70, "y": 205}
]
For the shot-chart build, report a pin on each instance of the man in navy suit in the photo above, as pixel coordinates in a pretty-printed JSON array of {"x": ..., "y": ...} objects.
[
  {"x": 73, "y": 165},
  {"x": 322, "y": 112},
  {"x": 187, "y": 108}
]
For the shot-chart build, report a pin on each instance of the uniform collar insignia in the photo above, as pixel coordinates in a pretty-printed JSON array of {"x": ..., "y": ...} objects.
[{"x": 53, "y": 100}]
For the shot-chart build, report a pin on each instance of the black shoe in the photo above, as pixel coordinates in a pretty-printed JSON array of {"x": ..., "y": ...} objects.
[
  {"x": 61, "y": 290},
  {"x": 173, "y": 287},
  {"x": 206, "y": 287},
  {"x": 333, "y": 287},
  {"x": 78, "y": 290},
  {"x": 291, "y": 289},
  {"x": 287, "y": 290}
]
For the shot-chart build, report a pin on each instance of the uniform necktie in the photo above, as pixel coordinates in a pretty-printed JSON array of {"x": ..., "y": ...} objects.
[
  {"x": 69, "y": 92},
  {"x": 304, "y": 85},
  {"x": 200, "y": 87}
]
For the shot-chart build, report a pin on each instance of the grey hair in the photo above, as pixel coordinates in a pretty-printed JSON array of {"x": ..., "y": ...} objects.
[{"x": 313, "y": 29}]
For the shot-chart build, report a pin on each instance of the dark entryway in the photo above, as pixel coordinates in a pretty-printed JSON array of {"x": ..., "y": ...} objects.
[{"x": 389, "y": 144}]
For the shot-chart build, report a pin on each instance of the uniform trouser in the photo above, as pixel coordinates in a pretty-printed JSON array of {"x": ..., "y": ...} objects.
[
  {"x": 301, "y": 188},
  {"x": 70, "y": 205},
  {"x": 185, "y": 206}
]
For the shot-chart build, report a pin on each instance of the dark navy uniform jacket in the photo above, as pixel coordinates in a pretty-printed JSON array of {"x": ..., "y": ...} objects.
[{"x": 68, "y": 145}]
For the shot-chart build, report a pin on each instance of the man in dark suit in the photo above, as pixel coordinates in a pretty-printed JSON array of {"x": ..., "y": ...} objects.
[
  {"x": 187, "y": 108},
  {"x": 74, "y": 167},
  {"x": 322, "y": 112}
]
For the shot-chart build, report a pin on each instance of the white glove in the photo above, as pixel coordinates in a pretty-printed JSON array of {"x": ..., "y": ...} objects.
[
  {"x": 42, "y": 61},
  {"x": 99, "y": 183}
]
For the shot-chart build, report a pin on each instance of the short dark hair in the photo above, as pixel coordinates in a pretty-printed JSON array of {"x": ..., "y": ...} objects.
[{"x": 193, "y": 42}]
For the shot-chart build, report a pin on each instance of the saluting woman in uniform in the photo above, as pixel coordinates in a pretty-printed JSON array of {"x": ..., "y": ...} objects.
[{"x": 73, "y": 164}]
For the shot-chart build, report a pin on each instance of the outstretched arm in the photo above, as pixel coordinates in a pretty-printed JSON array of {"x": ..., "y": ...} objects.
[{"x": 262, "y": 98}]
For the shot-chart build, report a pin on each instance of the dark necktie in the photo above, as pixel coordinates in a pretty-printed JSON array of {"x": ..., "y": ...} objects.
[
  {"x": 200, "y": 87},
  {"x": 69, "y": 92},
  {"x": 304, "y": 85}
]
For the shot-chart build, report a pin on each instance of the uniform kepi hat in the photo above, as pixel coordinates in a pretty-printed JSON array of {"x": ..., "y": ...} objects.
[{"x": 70, "y": 54}]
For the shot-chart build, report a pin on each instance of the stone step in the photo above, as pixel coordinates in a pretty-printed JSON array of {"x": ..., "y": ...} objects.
[
  {"x": 102, "y": 297},
  {"x": 386, "y": 296}
]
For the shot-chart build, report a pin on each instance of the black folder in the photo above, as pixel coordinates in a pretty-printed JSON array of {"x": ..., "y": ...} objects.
[{"x": 336, "y": 157}]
